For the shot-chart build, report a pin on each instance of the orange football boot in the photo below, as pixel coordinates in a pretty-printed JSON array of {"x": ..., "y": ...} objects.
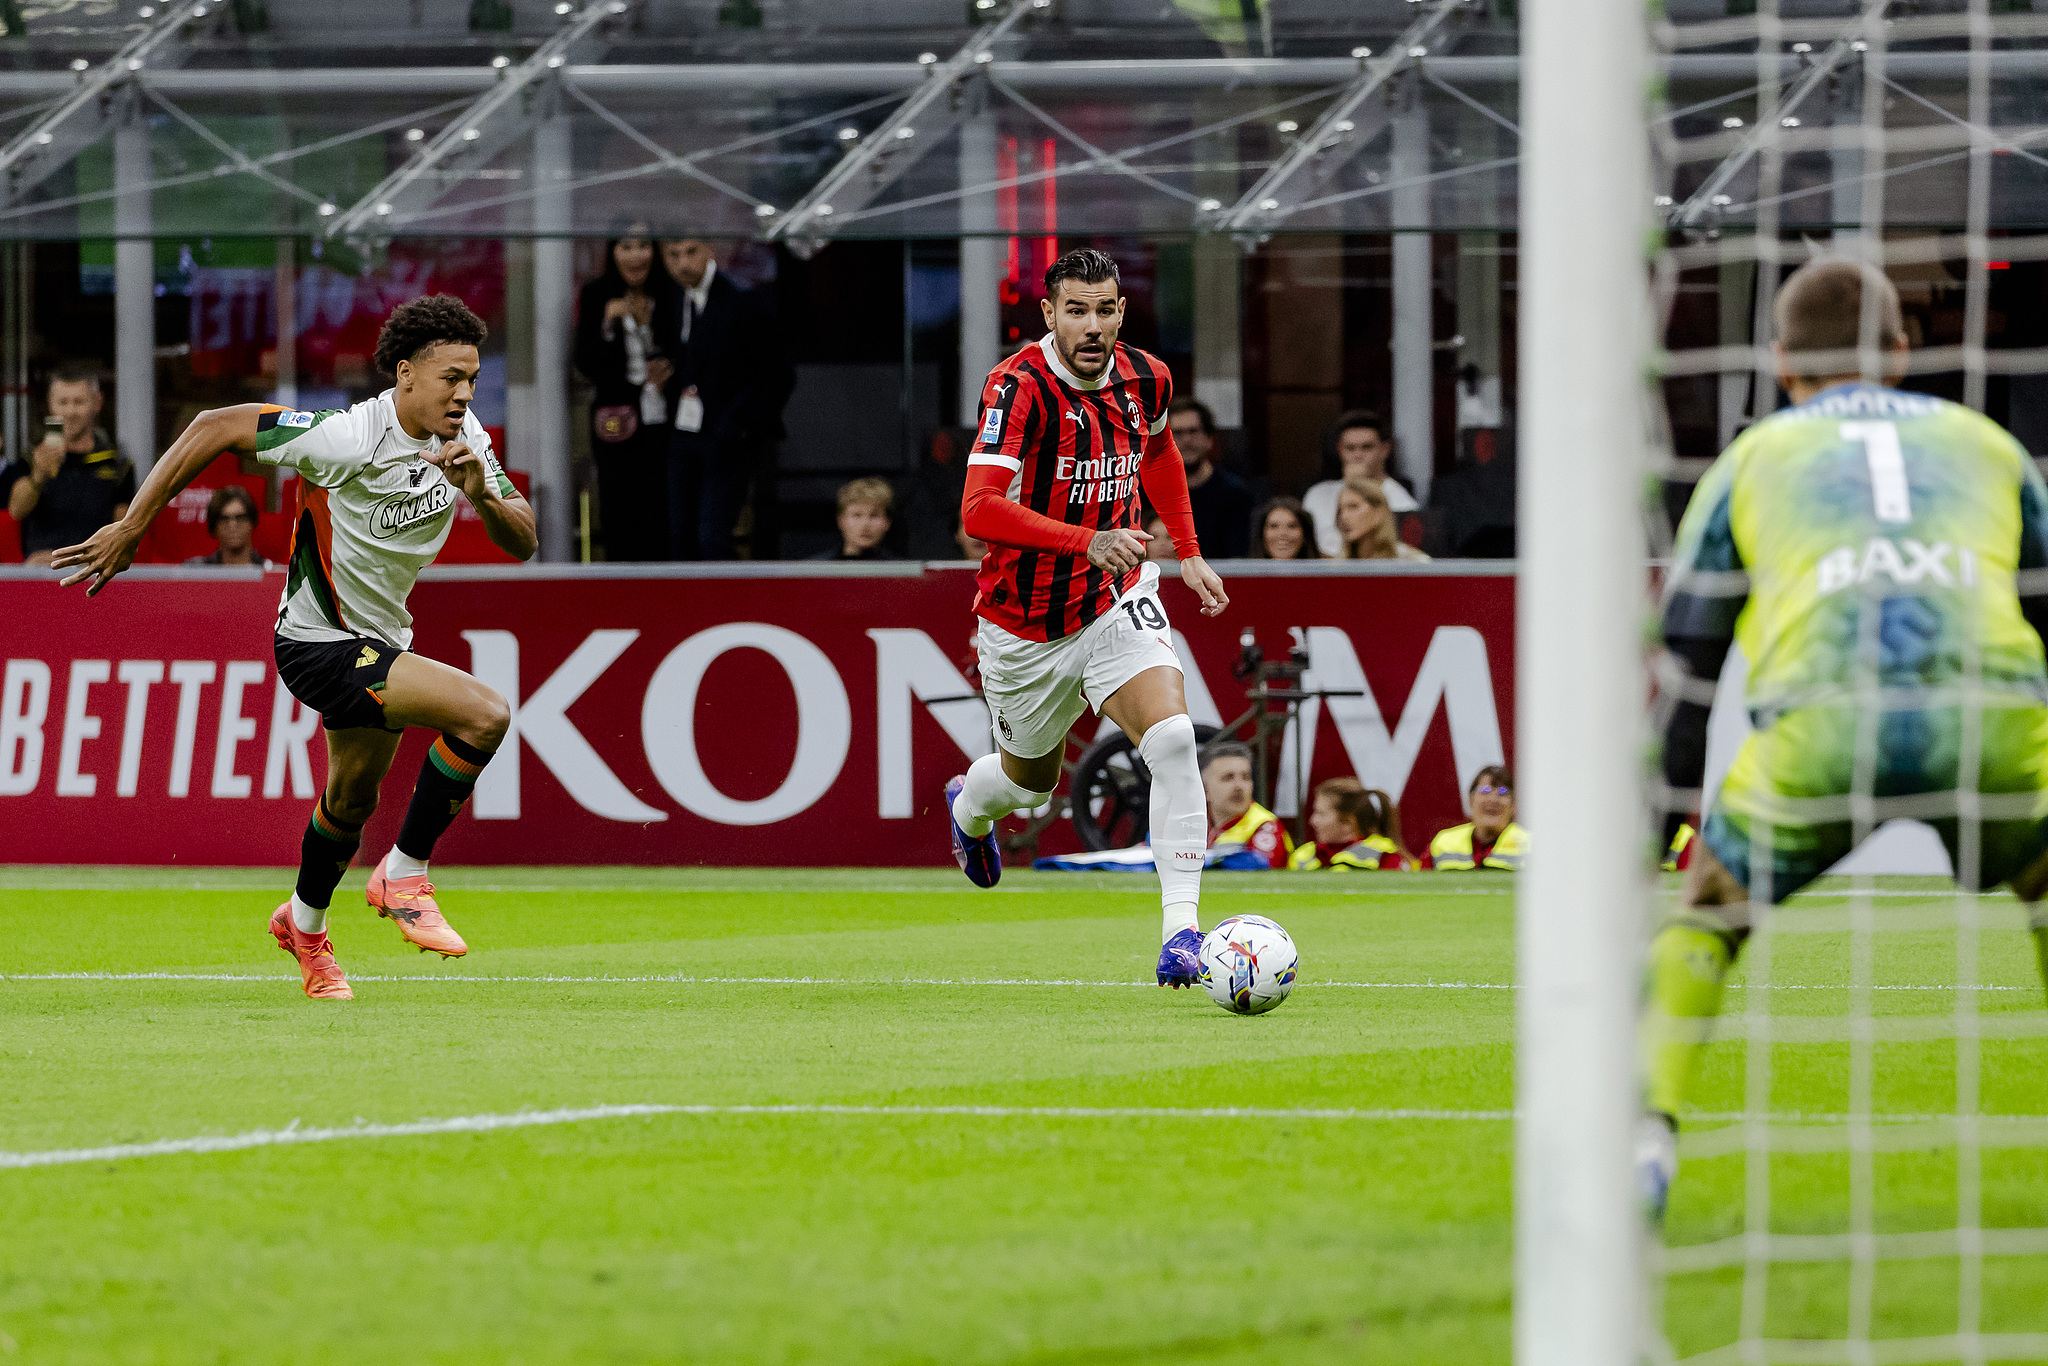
[
  {"x": 409, "y": 901},
  {"x": 315, "y": 952}
]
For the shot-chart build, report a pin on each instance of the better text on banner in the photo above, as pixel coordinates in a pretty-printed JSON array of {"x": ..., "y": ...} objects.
[{"x": 701, "y": 715}]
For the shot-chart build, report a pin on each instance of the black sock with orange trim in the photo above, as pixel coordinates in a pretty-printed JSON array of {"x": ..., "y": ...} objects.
[
  {"x": 446, "y": 779},
  {"x": 325, "y": 852}
]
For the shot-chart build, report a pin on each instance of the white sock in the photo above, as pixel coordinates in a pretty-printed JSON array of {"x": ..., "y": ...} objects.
[
  {"x": 989, "y": 795},
  {"x": 1180, "y": 821},
  {"x": 397, "y": 864},
  {"x": 309, "y": 919}
]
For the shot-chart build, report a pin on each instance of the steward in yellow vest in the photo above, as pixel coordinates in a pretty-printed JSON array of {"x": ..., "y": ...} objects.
[
  {"x": 1371, "y": 854},
  {"x": 1257, "y": 831},
  {"x": 1679, "y": 855},
  {"x": 1240, "y": 830},
  {"x": 1503, "y": 845},
  {"x": 1457, "y": 849},
  {"x": 1355, "y": 827}
]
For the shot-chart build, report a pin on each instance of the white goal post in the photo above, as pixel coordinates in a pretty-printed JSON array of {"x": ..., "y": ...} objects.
[{"x": 1584, "y": 317}]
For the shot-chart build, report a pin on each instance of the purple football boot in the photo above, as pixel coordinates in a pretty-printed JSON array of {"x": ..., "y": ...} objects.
[
  {"x": 1180, "y": 959},
  {"x": 980, "y": 859}
]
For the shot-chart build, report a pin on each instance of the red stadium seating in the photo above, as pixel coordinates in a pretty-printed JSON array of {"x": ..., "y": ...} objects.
[
  {"x": 467, "y": 541},
  {"x": 180, "y": 532},
  {"x": 274, "y": 529},
  {"x": 10, "y": 540}
]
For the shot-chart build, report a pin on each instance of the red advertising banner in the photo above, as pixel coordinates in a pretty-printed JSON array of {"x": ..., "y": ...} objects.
[{"x": 724, "y": 715}]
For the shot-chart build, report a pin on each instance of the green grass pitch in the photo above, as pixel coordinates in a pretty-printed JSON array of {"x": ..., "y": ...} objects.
[{"x": 903, "y": 1194}]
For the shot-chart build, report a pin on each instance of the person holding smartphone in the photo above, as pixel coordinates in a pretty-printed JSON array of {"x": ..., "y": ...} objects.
[{"x": 76, "y": 480}]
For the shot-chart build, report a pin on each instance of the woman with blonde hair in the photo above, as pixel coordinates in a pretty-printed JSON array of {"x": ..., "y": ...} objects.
[{"x": 1365, "y": 523}]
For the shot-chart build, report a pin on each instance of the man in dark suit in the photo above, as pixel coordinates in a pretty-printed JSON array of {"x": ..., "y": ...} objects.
[
  {"x": 730, "y": 381},
  {"x": 1222, "y": 502}
]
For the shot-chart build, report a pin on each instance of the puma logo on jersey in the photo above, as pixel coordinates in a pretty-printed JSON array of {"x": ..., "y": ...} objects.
[
  {"x": 1905, "y": 561},
  {"x": 417, "y": 472},
  {"x": 367, "y": 658},
  {"x": 1074, "y": 416}
]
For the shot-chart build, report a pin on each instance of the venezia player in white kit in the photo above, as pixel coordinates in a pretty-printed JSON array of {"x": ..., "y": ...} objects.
[
  {"x": 377, "y": 498},
  {"x": 1071, "y": 428}
]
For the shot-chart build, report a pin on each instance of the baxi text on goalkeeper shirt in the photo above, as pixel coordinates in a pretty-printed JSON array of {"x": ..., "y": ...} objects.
[
  {"x": 1865, "y": 526},
  {"x": 372, "y": 513}
]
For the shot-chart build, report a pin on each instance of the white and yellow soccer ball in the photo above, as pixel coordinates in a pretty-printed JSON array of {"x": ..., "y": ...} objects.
[{"x": 1248, "y": 964}]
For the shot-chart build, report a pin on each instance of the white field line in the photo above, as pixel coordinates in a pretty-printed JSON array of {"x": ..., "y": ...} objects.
[
  {"x": 680, "y": 980},
  {"x": 465, "y": 1124},
  {"x": 293, "y": 1134},
  {"x": 840, "y": 981}
]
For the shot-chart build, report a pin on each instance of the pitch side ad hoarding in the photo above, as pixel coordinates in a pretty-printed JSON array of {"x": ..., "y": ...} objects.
[{"x": 719, "y": 715}]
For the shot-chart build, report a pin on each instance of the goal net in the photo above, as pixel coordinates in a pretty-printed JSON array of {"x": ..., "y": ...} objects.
[{"x": 1864, "y": 1150}]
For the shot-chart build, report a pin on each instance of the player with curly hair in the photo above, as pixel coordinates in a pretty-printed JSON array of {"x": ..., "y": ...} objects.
[{"x": 377, "y": 497}]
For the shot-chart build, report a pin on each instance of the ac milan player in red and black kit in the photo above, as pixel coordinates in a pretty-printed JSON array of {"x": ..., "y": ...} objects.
[{"x": 1071, "y": 429}]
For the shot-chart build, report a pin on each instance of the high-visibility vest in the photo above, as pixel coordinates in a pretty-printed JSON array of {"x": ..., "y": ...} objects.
[
  {"x": 1259, "y": 830},
  {"x": 1369, "y": 854},
  {"x": 1675, "y": 857},
  {"x": 1451, "y": 850}
]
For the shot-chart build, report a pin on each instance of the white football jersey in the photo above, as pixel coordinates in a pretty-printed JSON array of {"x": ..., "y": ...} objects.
[{"x": 372, "y": 513}]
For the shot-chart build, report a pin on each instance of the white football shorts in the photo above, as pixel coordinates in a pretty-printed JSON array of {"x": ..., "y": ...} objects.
[{"x": 1037, "y": 689}]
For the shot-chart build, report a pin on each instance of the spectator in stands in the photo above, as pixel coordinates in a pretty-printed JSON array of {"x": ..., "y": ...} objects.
[
  {"x": 1160, "y": 547},
  {"x": 1365, "y": 524},
  {"x": 1355, "y": 827},
  {"x": 76, "y": 480},
  {"x": 864, "y": 508},
  {"x": 1491, "y": 839},
  {"x": 727, "y": 391},
  {"x": 1222, "y": 502},
  {"x": 231, "y": 520},
  {"x": 1237, "y": 824},
  {"x": 1283, "y": 530},
  {"x": 627, "y": 370},
  {"x": 1358, "y": 446}
]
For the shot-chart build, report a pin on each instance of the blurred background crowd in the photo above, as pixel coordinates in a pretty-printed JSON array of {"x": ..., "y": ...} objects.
[{"x": 732, "y": 400}]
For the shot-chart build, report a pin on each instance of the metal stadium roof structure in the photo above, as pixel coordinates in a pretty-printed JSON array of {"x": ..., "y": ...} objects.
[{"x": 799, "y": 121}]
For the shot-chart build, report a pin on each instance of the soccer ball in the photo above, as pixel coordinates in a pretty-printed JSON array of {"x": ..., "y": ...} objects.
[{"x": 1248, "y": 964}]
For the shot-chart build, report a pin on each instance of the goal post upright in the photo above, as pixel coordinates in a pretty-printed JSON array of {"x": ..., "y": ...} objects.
[{"x": 1585, "y": 340}]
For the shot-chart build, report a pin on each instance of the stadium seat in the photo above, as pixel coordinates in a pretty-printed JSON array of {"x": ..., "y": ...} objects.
[
  {"x": 10, "y": 540},
  {"x": 180, "y": 533},
  {"x": 467, "y": 541},
  {"x": 274, "y": 529}
]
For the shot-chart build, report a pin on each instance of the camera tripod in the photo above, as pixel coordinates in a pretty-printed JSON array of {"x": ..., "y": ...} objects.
[{"x": 1110, "y": 788}]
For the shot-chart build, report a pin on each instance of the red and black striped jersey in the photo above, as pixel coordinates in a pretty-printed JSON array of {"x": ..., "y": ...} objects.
[{"x": 1073, "y": 449}]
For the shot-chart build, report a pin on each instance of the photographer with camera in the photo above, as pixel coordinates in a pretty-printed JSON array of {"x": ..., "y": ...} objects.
[{"x": 76, "y": 480}]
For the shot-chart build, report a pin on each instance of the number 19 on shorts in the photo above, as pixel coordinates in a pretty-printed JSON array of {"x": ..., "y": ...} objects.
[{"x": 1144, "y": 614}]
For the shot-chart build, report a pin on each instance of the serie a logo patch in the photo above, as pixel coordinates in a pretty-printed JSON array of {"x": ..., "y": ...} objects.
[
  {"x": 992, "y": 426},
  {"x": 294, "y": 419}
]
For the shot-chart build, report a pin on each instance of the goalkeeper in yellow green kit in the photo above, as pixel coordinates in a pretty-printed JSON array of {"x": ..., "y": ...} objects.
[{"x": 1882, "y": 559}]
